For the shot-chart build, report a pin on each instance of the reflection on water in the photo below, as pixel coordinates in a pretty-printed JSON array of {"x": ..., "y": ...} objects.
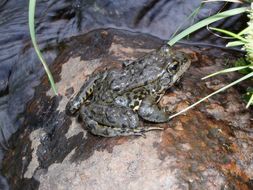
[{"x": 57, "y": 20}]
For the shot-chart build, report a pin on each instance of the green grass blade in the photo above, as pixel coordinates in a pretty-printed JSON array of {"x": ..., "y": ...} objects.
[
  {"x": 220, "y": 90},
  {"x": 206, "y": 22},
  {"x": 250, "y": 101},
  {"x": 229, "y": 34},
  {"x": 32, "y": 6},
  {"x": 235, "y": 43},
  {"x": 232, "y": 69},
  {"x": 195, "y": 12},
  {"x": 244, "y": 31}
]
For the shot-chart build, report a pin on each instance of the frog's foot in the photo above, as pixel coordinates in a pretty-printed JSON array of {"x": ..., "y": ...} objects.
[
  {"x": 139, "y": 131},
  {"x": 106, "y": 131},
  {"x": 150, "y": 111},
  {"x": 86, "y": 90}
]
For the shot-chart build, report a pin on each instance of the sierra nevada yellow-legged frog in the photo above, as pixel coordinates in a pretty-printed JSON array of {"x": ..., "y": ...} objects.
[{"x": 110, "y": 103}]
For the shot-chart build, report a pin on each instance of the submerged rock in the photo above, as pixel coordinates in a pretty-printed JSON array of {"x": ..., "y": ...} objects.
[{"x": 206, "y": 148}]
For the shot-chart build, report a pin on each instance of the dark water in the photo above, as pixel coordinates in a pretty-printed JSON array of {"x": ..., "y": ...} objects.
[{"x": 58, "y": 20}]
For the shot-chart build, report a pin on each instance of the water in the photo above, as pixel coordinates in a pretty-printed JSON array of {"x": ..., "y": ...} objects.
[{"x": 58, "y": 20}]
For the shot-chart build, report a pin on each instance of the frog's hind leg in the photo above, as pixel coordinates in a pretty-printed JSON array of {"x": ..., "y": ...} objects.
[
  {"x": 150, "y": 111},
  {"x": 116, "y": 128}
]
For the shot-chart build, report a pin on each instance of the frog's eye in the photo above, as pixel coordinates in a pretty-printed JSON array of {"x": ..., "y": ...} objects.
[{"x": 174, "y": 67}]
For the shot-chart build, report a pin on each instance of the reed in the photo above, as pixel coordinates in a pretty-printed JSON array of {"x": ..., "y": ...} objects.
[{"x": 32, "y": 6}]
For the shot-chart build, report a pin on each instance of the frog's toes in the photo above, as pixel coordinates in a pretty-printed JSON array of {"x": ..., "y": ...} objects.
[
  {"x": 140, "y": 131},
  {"x": 154, "y": 128}
]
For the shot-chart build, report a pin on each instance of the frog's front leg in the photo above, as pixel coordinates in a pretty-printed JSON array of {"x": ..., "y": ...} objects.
[
  {"x": 85, "y": 91},
  {"x": 150, "y": 111},
  {"x": 112, "y": 120}
]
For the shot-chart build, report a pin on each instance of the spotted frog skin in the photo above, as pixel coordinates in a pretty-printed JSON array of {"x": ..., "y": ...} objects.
[{"x": 110, "y": 103}]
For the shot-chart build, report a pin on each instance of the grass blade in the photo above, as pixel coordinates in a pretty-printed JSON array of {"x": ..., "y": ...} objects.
[
  {"x": 235, "y": 43},
  {"x": 207, "y": 21},
  {"x": 244, "y": 31},
  {"x": 232, "y": 69},
  {"x": 32, "y": 6},
  {"x": 194, "y": 13},
  {"x": 220, "y": 90},
  {"x": 229, "y": 34},
  {"x": 250, "y": 101}
]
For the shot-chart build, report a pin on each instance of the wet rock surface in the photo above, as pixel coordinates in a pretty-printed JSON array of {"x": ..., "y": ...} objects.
[{"x": 209, "y": 147}]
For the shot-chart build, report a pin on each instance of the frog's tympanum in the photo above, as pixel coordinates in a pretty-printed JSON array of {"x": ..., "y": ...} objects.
[{"x": 111, "y": 102}]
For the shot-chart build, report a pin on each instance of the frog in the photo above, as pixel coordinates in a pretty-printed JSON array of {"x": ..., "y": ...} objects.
[{"x": 112, "y": 103}]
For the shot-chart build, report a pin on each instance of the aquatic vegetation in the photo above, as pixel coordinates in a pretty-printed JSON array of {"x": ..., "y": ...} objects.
[
  {"x": 244, "y": 38},
  {"x": 32, "y": 5}
]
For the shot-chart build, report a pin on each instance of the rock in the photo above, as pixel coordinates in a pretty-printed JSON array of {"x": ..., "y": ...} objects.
[{"x": 197, "y": 150}]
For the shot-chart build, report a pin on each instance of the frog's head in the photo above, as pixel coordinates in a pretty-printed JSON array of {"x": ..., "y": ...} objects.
[{"x": 177, "y": 62}]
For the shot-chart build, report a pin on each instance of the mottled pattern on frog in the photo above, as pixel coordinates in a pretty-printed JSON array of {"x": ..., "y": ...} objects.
[{"x": 110, "y": 102}]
